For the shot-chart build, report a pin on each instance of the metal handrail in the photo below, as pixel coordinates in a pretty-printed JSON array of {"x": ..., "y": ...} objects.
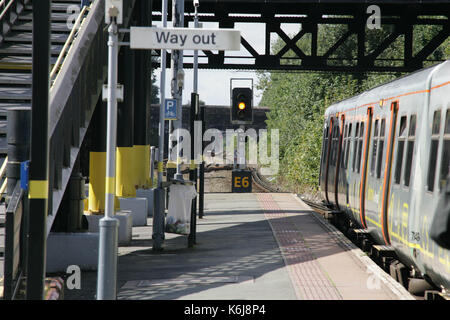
[
  {"x": 6, "y": 8},
  {"x": 2, "y": 173},
  {"x": 68, "y": 43}
]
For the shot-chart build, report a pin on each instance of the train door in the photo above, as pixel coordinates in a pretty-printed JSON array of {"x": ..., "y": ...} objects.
[
  {"x": 340, "y": 133},
  {"x": 362, "y": 186},
  {"x": 326, "y": 158},
  {"x": 387, "y": 172},
  {"x": 333, "y": 161}
]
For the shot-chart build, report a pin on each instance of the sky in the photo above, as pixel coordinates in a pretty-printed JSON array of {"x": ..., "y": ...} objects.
[{"x": 214, "y": 85}]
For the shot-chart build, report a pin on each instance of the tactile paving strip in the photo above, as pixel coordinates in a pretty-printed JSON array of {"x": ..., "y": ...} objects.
[{"x": 307, "y": 276}]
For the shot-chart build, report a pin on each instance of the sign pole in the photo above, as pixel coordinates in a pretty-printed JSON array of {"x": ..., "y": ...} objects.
[
  {"x": 39, "y": 166},
  {"x": 177, "y": 80},
  {"x": 107, "y": 260},
  {"x": 158, "y": 215}
]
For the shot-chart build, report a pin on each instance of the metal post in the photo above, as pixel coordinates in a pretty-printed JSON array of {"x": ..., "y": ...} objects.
[
  {"x": 202, "y": 170},
  {"x": 192, "y": 171},
  {"x": 107, "y": 261},
  {"x": 178, "y": 78},
  {"x": 18, "y": 136},
  {"x": 196, "y": 25},
  {"x": 153, "y": 151},
  {"x": 39, "y": 164},
  {"x": 159, "y": 197}
]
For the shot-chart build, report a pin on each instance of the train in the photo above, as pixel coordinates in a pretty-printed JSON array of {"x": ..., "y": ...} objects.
[{"x": 385, "y": 168}]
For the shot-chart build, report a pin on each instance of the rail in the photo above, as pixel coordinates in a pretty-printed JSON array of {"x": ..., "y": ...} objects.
[
  {"x": 3, "y": 175},
  {"x": 15, "y": 243},
  {"x": 9, "y": 13},
  {"x": 68, "y": 44}
]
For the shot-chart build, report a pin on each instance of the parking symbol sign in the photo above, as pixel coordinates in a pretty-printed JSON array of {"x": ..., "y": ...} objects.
[{"x": 170, "y": 109}]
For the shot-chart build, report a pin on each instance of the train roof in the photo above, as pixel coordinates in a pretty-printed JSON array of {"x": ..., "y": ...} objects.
[{"x": 414, "y": 81}]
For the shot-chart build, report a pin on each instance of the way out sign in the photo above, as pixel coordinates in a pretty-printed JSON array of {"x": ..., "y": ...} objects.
[{"x": 184, "y": 39}]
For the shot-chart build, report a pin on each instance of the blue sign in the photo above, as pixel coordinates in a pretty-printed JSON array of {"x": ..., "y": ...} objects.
[
  {"x": 170, "y": 109},
  {"x": 24, "y": 174}
]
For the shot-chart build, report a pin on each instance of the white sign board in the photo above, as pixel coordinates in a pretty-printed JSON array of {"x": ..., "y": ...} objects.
[{"x": 184, "y": 39}]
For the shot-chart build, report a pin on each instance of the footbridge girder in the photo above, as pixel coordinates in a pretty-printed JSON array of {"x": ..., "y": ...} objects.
[{"x": 399, "y": 20}]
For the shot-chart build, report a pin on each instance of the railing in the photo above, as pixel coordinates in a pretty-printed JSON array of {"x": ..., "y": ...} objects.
[
  {"x": 15, "y": 243},
  {"x": 3, "y": 175},
  {"x": 73, "y": 97},
  {"x": 9, "y": 11},
  {"x": 67, "y": 46}
]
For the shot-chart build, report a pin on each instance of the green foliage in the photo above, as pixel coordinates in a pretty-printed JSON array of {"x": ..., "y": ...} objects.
[
  {"x": 155, "y": 88},
  {"x": 297, "y": 101}
]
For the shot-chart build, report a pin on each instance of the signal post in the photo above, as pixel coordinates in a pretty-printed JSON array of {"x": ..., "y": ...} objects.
[{"x": 241, "y": 113}]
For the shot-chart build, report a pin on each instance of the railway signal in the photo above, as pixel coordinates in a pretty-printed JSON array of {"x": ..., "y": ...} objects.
[{"x": 242, "y": 106}]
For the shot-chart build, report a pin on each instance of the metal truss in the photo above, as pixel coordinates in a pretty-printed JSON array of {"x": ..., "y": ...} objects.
[{"x": 398, "y": 20}]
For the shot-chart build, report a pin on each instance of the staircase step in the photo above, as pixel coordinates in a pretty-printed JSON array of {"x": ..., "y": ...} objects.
[
  {"x": 27, "y": 37},
  {"x": 58, "y": 16},
  {"x": 28, "y": 26},
  {"x": 15, "y": 78},
  {"x": 15, "y": 93},
  {"x": 25, "y": 48},
  {"x": 3, "y": 127},
  {"x": 57, "y": 6},
  {"x": 20, "y": 62}
]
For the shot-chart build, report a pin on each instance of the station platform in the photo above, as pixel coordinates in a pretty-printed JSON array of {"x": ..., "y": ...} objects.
[{"x": 249, "y": 246}]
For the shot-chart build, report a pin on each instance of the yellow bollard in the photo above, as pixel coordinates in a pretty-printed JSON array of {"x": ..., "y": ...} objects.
[
  {"x": 142, "y": 162},
  {"x": 97, "y": 171},
  {"x": 126, "y": 172}
]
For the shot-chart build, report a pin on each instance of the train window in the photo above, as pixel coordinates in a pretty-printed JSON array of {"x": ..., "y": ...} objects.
[
  {"x": 412, "y": 126},
  {"x": 355, "y": 145},
  {"x": 447, "y": 122},
  {"x": 400, "y": 150},
  {"x": 445, "y": 161},
  {"x": 360, "y": 146},
  {"x": 349, "y": 137},
  {"x": 344, "y": 146},
  {"x": 409, "y": 150},
  {"x": 334, "y": 144},
  {"x": 381, "y": 148},
  {"x": 374, "y": 149},
  {"x": 433, "y": 150},
  {"x": 436, "y": 122},
  {"x": 402, "y": 131}
]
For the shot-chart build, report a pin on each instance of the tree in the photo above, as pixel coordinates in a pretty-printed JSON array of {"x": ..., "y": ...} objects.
[
  {"x": 297, "y": 101},
  {"x": 155, "y": 88}
]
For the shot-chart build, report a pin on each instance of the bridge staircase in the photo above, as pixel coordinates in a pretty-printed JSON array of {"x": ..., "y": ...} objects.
[{"x": 78, "y": 71}]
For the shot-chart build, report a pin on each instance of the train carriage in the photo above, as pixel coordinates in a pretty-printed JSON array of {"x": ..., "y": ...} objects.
[{"x": 385, "y": 160}]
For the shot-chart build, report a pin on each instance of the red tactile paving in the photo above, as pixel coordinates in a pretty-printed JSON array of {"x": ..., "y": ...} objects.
[{"x": 307, "y": 276}]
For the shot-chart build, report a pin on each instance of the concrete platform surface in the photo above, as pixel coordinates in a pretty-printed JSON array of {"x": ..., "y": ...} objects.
[{"x": 249, "y": 246}]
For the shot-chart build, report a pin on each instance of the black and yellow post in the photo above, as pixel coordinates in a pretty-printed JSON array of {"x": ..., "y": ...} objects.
[
  {"x": 97, "y": 159},
  {"x": 126, "y": 167},
  {"x": 142, "y": 96},
  {"x": 192, "y": 169},
  {"x": 201, "y": 197},
  {"x": 39, "y": 151}
]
